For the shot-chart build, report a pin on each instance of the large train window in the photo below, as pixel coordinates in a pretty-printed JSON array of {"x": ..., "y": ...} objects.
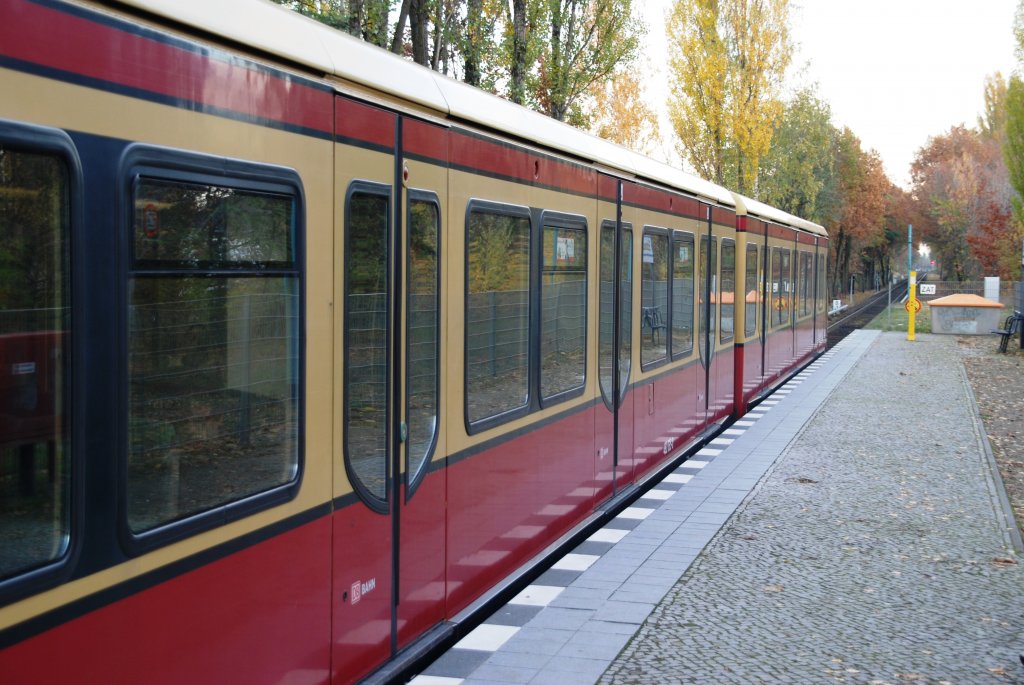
[
  {"x": 805, "y": 283},
  {"x": 497, "y": 319},
  {"x": 751, "y": 297},
  {"x": 213, "y": 340},
  {"x": 708, "y": 272},
  {"x": 682, "y": 294},
  {"x": 424, "y": 327},
  {"x": 38, "y": 171},
  {"x": 607, "y": 307},
  {"x": 780, "y": 287},
  {"x": 727, "y": 291},
  {"x": 563, "y": 306},
  {"x": 654, "y": 297},
  {"x": 822, "y": 295},
  {"x": 367, "y": 319}
]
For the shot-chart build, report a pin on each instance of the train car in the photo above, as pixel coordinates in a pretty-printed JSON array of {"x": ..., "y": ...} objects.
[
  {"x": 316, "y": 350},
  {"x": 784, "y": 320}
]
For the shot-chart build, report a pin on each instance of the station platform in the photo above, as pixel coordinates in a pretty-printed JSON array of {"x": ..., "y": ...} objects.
[{"x": 851, "y": 528}]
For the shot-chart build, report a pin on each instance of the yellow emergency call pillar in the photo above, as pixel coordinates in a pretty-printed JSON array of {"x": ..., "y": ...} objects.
[{"x": 912, "y": 304}]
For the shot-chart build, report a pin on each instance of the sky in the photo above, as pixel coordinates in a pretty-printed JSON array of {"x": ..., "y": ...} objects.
[{"x": 896, "y": 72}]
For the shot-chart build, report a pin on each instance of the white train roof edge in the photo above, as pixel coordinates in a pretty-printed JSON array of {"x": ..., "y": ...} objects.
[
  {"x": 748, "y": 206},
  {"x": 279, "y": 31}
]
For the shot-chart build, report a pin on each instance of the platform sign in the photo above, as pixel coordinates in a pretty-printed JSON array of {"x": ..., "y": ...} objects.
[{"x": 927, "y": 288}]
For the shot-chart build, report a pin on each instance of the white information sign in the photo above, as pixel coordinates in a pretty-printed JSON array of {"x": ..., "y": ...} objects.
[
  {"x": 648, "y": 250},
  {"x": 927, "y": 288}
]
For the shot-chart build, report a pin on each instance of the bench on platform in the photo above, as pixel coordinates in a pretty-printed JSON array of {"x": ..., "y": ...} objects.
[
  {"x": 1012, "y": 326},
  {"x": 651, "y": 320}
]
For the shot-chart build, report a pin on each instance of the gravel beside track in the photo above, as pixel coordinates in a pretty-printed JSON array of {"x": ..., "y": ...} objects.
[{"x": 863, "y": 556}]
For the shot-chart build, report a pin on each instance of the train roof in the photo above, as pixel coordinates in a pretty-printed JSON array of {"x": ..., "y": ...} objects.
[
  {"x": 748, "y": 206},
  {"x": 275, "y": 30}
]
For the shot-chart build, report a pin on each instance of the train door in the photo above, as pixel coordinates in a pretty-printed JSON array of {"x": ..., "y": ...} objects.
[
  {"x": 388, "y": 545},
  {"x": 614, "y": 418},
  {"x": 707, "y": 279}
]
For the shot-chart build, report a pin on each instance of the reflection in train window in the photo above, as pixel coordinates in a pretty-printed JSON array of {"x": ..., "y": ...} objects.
[
  {"x": 367, "y": 313},
  {"x": 606, "y": 307},
  {"x": 423, "y": 339},
  {"x": 213, "y": 345},
  {"x": 805, "y": 283},
  {"x": 682, "y": 294},
  {"x": 497, "y": 310},
  {"x": 654, "y": 297},
  {"x": 752, "y": 286},
  {"x": 563, "y": 295},
  {"x": 727, "y": 291},
  {"x": 34, "y": 317}
]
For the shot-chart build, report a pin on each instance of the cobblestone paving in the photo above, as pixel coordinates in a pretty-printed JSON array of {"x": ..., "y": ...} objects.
[{"x": 867, "y": 565}]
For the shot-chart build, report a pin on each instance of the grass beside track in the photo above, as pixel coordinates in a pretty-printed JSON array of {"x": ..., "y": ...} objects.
[{"x": 895, "y": 319}]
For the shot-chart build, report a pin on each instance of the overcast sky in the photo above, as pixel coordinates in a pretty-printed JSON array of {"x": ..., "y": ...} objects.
[{"x": 895, "y": 71}]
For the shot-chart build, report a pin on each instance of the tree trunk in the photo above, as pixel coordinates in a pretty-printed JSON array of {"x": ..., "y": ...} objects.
[
  {"x": 474, "y": 37},
  {"x": 517, "y": 89},
  {"x": 418, "y": 24},
  {"x": 398, "y": 40},
  {"x": 355, "y": 18}
]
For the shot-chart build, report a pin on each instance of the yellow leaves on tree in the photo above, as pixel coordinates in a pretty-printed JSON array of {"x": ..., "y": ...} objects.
[
  {"x": 728, "y": 60},
  {"x": 621, "y": 114}
]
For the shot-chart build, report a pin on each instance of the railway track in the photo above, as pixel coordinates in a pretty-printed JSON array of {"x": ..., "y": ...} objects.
[{"x": 857, "y": 318}]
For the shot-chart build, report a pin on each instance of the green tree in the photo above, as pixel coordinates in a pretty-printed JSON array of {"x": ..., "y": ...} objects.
[
  {"x": 1013, "y": 149},
  {"x": 588, "y": 41},
  {"x": 800, "y": 164}
]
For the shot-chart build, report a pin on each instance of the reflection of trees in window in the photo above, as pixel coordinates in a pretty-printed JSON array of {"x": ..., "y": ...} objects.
[
  {"x": 497, "y": 312},
  {"x": 727, "y": 290},
  {"x": 34, "y": 459},
  {"x": 366, "y": 328},
  {"x": 213, "y": 307},
  {"x": 423, "y": 306},
  {"x": 563, "y": 294},
  {"x": 682, "y": 294},
  {"x": 752, "y": 286},
  {"x": 606, "y": 314},
  {"x": 654, "y": 298}
]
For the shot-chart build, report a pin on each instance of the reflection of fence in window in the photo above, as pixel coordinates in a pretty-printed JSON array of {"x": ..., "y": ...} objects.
[
  {"x": 212, "y": 381},
  {"x": 32, "y": 320},
  {"x": 497, "y": 351},
  {"x": 563, "y": 334}
]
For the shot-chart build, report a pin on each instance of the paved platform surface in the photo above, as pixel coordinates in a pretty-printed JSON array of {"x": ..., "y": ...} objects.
[{"x": 850, "y": 529}]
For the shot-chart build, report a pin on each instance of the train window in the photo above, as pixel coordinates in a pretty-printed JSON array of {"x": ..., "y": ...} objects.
[
  {"x": 423, "y": 339},
  {"x": 708, "y": 278},
  {"x": 563, "y": 296},
  {"x": 780, "y": 286},
  {"x": 727, "y": 291},
  {"x": 752, "y": 287},
  {"x": 497, "y": 312},
  {"x": 367, "y": 318},
  {"x": 213, "y": 344},
  {"x": 805, "y": 283},
  {"x": 682, "y": 294},
  {"x": 791, "y": 271},
  {"x": 605, "y": 323},
  {"x": 654, "y": 297},
  {"x": 822, "y": 296},
  {"x": 34, "y": 361}
]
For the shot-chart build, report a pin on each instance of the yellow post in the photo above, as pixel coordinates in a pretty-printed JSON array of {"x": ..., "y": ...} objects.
[{"x": 911, "y": 305}]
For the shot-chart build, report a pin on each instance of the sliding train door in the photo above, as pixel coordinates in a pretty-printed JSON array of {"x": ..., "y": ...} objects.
[
  {"x": 391, "y": 177},
  {"x": 614, "y": 416}
]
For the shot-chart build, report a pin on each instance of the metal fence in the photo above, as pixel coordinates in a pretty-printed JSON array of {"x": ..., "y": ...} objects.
[{"x": 1010, "y": 292}]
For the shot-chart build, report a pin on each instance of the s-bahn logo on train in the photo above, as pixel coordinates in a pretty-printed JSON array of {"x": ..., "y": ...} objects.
[{"x": 360, "y": 588}]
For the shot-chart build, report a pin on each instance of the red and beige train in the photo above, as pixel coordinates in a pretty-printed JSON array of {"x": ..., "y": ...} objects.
[{"x": 305, "y": 349}]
